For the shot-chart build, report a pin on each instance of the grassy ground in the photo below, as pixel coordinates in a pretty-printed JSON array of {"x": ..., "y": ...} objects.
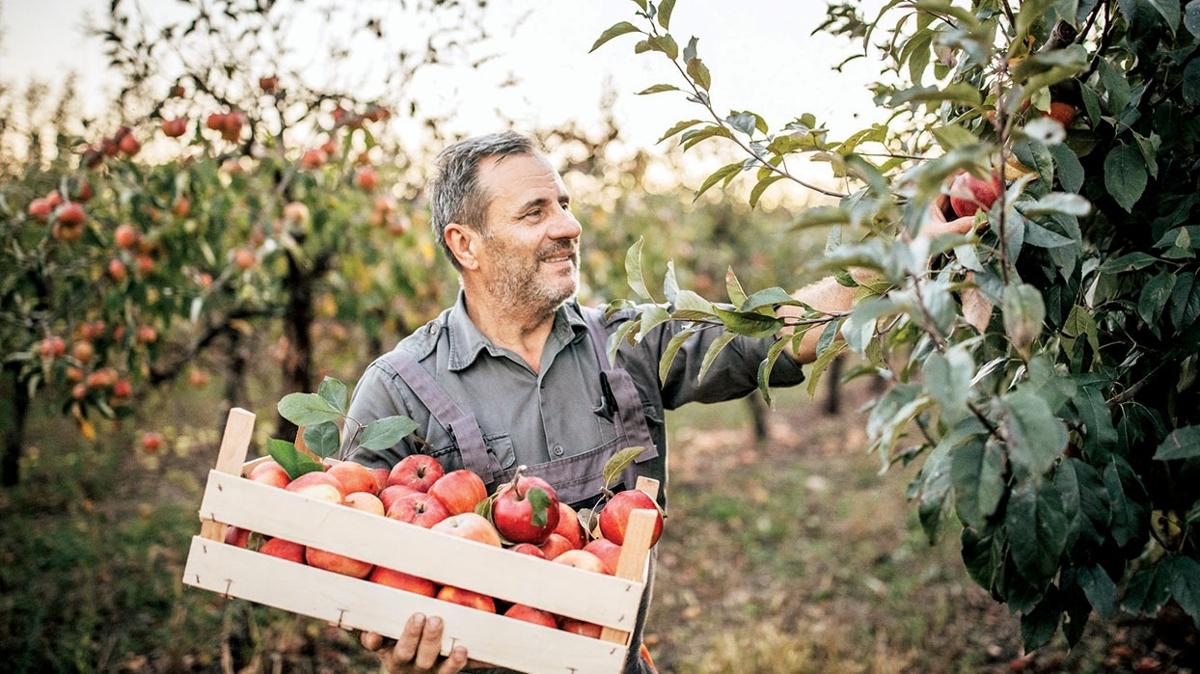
[{"x": 789, "y": 556}]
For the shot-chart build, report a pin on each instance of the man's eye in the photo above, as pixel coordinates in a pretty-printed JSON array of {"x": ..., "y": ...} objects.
[{"x": 534, "y": 213}]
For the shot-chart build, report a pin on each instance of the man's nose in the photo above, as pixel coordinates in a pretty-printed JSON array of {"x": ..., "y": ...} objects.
[{"x": 565, "y": 226}]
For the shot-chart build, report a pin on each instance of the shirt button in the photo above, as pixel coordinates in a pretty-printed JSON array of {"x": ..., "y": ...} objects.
[{"x": 558, "y": 450}]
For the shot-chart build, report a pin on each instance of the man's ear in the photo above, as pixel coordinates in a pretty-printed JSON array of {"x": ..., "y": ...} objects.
[{"x": 463, "y": 242}]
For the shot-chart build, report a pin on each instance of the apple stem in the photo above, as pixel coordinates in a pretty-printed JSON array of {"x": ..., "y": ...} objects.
[{"x": 517, "y": 480}]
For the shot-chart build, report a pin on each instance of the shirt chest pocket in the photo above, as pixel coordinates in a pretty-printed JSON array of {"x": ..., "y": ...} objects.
[{"x": 443, "y": 448}]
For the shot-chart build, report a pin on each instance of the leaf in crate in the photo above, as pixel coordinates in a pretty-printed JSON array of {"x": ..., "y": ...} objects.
[
  {"x": 307, "y": 409},
  {"x": 484, "y": 508},
  {"x": 539, "y": 502},
  {"x": 323, "y": 439},
  {"x": 334, "y": 392},
  {"x": 291, "y": 460},
  {"x": 387, "y": 432},
  {"x": 617, "y": 464}
]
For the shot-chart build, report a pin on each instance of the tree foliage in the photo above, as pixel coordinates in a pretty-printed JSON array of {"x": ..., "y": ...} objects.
[{"x": 1044, "y": 365}]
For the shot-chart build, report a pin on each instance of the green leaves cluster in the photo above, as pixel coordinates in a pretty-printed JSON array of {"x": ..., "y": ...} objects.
[{"x": 1044, "y": 363}]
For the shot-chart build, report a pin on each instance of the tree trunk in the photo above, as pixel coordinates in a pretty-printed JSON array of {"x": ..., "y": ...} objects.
[
  {"x": 758, "y": 412},
  {"x": 235, "y": 375},
  {"x": 297, "y": 328},
  {"x": 833, "y": 379},
  {"x": 14, "y": 435}
]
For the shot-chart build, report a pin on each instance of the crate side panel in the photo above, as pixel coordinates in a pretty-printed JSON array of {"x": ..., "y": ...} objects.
[
  {"x": 363, "y": 605},
  {"x": 445, "y": 559}
]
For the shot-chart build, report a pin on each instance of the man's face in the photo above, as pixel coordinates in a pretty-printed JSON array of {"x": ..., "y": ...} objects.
[{"x": 530, "y": 248}]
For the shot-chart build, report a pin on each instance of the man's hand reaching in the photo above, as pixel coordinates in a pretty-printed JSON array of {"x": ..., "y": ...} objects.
[{"x": 418, "y": 649}]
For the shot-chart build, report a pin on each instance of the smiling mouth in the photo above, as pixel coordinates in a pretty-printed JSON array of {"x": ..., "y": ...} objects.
[{"x": 561, "y": 258}]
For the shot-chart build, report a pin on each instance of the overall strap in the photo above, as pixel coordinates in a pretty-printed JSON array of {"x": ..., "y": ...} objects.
[
  {"x": 630, "y": 419},
  {"x": 458, "y": 422}
]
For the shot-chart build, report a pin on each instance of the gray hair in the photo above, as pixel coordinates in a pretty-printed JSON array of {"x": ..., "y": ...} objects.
[{"x": 454, "y": 191}]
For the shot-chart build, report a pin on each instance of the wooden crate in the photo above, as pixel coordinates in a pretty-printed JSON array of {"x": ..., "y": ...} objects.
[{"x": 231, "y": 500}]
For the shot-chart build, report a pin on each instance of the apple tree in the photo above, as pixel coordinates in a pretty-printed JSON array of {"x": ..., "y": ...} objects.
[{"x": 1043, "y": 365}]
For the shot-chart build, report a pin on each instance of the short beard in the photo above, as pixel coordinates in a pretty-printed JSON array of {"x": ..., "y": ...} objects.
[{"x": 519, "y": 289}]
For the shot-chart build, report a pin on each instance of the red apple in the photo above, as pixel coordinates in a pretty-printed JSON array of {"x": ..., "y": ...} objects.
[
  {"x": 337, "y": 563},
  {"x": 579, "y": 627},
  {"x": 381, "y": 477},
  {"x": 318, "y": 485},
  {"x": 555, "y": 545},
  {"x": 366, "y": 178},
  {"x": 569, "y": 526},
  {"x": 418, "y": 471},
  {"x": 1063, "y": 112},
  {"x": 457, "y": 595},
  {"x": 607, "y": 551},
  {"x": 470, "y": 526},
  {"x": 117, "y": 270},
  {"x": 460, "y": 491},
  {"x": 402, "y": 581},
  {"x": 969, "y": 194},
  {"x": 526, "y": 509},
  {"x": 393, "y": 493},
  {"x": 126, "y": 236},
  {"x": 270, "y": 473},
  {"x": 423, "y": 510},
  {"x": 528, "y": 549},
  {"x": 237, "y": 536},
  {"x": 354, "y": 477},
  {"x": 71, "y": 214},
  {"x": 615, "y": 516},
  {"x": 582, "y": 560},
  {"x": 39, "y": 209},
  {"x": 174, "y": 128},
  {"x": 364, "y": 501},
  {"x": 532, "y": 615},
  {"x": 277, "y": 547}
]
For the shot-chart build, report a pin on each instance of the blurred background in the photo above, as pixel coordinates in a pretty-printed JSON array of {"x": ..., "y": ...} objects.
[{"x": 268, "y": 159}]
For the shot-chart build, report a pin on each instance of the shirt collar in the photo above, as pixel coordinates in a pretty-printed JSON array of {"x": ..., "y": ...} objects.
[{"x": 466, "y": 341}]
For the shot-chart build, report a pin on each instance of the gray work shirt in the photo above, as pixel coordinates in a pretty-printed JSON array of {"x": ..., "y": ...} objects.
[{"x": 529, "y": 417}]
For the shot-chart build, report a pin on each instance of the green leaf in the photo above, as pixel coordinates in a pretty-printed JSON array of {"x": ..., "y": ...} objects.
[
  {"x": 719, "y": 175},
  {"x": 673, "y": 346},
  {"x": 334, "y": 392},
  {"x": 761, "y": 187},
  {"x": 977, "y": 471},
  {"x": 948, "y": 380},
  {"x": 1127, "y": 521},
  {"x": 680, "y": 126},
  {"x": 714, "y": 350},
  {"x": 1169, "y": 9},
  {"x": 1059, "y": 202},
  {"x": 664, "y": 13},
  {"x": 322, "y": 439},
  {"x": 1185, "y": 300},
  {"x": 1191, "y": 20},
  {"x": 616, "y": 30},
  {"x": 307, "y": 409},
  {"x": 1125, "y": 175},
  {"x": 291, "y": 460},
  {"x": 633, "y": 269},
  {"x": 950, "y": 136},
  {"x": 1185, "y": 584},
  {"x": 1037, "y": 531},
  {"x": 767, "y": 297},
  {"x": 652, "y": 317},
  {"x": 1191, "y": 82},
  {"x": 657, "y": 89},
  {"x": 617, "y": 463},
  {"x": 539, "y": 503},
  {"x": 767, "y": 365},
  {"x": 1024, "y": 312},
  {"x": 1099, "y": 589},
  {"x": 387, "y": 432},
  {"x": 1069, "y": 171},
  {"x": 1130, "y": 262},
  {"x": 1036, "y": 437},
  {"x": 1154, "y": 298},
  {"x": 1182, "y": 443},
  {"x": 1030, "y": 13},
  {"x": 733, "y": 287},
  {"x": 859, "y": 328},
  {"x": 699, "y": 73},
  {"x": 665, "y": 44},
  {"x": 623, "y": 335},
  {"x": 1039, "y": 624},
  {"x": 824, "y": 359}
]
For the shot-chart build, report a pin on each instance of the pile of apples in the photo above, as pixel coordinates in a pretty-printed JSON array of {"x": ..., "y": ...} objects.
[{"x": 525, "y": 516}]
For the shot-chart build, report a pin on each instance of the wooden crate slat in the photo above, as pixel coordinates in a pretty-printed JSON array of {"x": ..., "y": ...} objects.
[
  {"x": 235, "y": 442},
  {"x": 635, "y": 553},
  {"x": 362, "y": 605},
  {"x": 557, "y": 588}
]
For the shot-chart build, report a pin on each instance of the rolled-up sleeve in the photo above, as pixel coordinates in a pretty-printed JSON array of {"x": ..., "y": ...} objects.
[
  {"x": 378, "y": 394},
  {"x": 734, "y": 373}
]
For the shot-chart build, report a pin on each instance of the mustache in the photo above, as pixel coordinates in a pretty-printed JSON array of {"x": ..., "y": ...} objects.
[{"x": 559, "y": 251}]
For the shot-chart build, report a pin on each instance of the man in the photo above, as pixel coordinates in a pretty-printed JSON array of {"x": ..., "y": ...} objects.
[{"x": 515, "y": 372}]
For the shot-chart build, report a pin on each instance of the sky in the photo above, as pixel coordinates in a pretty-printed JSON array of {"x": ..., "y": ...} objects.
[{"x": 760, "y": 53}]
